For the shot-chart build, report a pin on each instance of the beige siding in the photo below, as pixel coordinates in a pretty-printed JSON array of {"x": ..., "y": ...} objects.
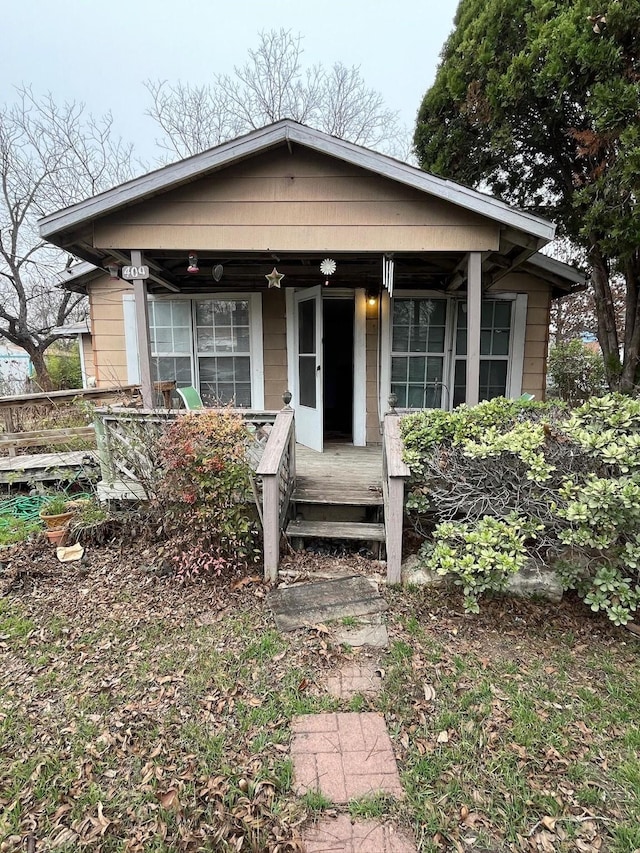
[
  {"x": 109, "y": 356},
  {"x": 534, "y": 371},
  {"x": 86, "y": 343},
  {"x": 296, "y": 202},
  {"x": 275, "y": 348}
]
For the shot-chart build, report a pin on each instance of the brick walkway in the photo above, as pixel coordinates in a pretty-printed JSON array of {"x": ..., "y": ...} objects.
[
  {"x": 363, "y": 678},
  {"x": 344, "y": 756},
  {"x": 342, "y": 835}
]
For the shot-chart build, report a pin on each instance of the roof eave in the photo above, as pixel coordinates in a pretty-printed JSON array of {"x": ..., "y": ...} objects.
[{"x": 170, "y": 177}]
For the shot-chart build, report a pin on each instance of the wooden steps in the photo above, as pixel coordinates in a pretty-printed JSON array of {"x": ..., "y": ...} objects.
[
  {"x": 336, "y": 495},
  {"x": 362, "y": 531}
]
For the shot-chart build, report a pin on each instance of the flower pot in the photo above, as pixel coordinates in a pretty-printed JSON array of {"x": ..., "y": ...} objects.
[
  {"x": 57, "y": 535},
  {"x": 55, "y": 522}
]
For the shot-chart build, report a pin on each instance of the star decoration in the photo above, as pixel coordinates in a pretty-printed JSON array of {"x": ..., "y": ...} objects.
[{"x": 274, "y": 278}]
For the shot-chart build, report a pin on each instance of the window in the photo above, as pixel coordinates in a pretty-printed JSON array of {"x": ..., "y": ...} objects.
[
  {"x": 170, "y": 333},
  {"x": 223, "y": 345},
  {"x": 418, "y": 352},
  {"x": 495, "y": 343},
  {"x": 214, "y": 344}
]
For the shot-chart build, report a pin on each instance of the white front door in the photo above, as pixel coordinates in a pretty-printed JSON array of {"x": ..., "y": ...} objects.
[{"x": 308, "y": 400}]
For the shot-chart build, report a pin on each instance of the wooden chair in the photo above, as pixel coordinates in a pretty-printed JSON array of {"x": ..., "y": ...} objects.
[{"x": 191, "y": 398}]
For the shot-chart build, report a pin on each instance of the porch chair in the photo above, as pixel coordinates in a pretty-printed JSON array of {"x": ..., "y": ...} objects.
[{"x": 191, "y": 398}]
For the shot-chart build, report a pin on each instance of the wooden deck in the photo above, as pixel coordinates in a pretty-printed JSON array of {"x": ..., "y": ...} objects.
[
  {"x": 40, "y": 467},
  {"x": 343, "y": 474}
]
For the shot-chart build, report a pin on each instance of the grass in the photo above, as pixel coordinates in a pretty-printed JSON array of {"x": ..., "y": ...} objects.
[{"x": 134, "y": 712}]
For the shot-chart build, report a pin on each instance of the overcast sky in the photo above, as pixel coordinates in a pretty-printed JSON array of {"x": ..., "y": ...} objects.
[{"x": 101, "y": 52}]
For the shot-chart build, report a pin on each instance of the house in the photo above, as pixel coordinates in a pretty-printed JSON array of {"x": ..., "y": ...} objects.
[{"x": 290, "y": 259}]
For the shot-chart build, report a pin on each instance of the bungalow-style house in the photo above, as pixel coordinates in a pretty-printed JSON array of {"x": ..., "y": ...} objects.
[{"x": 290, "y": 259}]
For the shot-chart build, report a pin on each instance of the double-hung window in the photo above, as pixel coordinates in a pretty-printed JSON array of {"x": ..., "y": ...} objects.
[
  {"x": 429, "y": 349},
  {"x": 495, "y": 346},
  {"x": 418, "y": 352},
  {"x": 212, "y": 343}
]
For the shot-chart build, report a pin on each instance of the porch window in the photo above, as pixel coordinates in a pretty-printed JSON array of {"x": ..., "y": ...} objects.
[
  {"x": 170, "y": 334},
  {"x": 495, "y": 342},
  {"x": 418, "y": 352},
  {"x": 223, "y": 347}
]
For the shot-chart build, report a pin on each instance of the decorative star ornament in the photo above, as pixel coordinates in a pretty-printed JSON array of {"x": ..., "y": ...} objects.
[{"x": 274, "y": 278}]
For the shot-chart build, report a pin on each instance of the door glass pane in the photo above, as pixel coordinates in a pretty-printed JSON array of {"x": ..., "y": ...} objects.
[
  {"x": 307, "y": 380},
  {"x": 307, "y": 327}
]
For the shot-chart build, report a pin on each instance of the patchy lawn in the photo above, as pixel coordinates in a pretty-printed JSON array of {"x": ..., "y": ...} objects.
[{"x": 136, "y": 715}]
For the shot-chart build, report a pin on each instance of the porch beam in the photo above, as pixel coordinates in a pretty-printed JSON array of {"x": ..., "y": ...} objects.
[
  {"x": 474, "y": 309},
  {"x": 142, "y": 329},
  {"x": 153, "y": 276}
]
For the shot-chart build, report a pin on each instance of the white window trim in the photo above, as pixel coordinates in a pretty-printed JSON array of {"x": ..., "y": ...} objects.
[
  {"x": 515, "y": 364},
  {"x": 255, "y": 335}
]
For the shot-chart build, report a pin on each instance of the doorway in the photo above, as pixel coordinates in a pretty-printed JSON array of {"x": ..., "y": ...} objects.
[{"x": 338, "y": 316}]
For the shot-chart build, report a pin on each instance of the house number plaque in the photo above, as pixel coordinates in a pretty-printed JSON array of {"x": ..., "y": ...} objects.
[{"x": 131, "y": 273}]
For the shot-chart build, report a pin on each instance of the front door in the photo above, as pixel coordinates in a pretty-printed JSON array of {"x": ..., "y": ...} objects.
[{"x": 308, "y": 367}]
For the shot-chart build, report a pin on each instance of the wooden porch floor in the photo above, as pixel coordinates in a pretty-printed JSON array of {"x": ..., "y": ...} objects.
[
  {"x": 45, "y": 466},
  {"x": 343, "y": 474}
]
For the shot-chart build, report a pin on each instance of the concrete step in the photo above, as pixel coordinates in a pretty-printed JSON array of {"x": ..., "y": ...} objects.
[{"x": 363, "y": 531}]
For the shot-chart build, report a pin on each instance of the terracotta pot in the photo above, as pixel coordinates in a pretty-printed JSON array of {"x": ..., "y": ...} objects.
[
  {"x": 56, "y": 522},
  {"x": 57, "y": 536}
]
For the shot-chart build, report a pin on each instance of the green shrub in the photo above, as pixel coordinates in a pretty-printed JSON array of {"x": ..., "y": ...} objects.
[
  {"x": 576, "y": 373},
  {"x": 205, "y": 491},
  {"x": 514, "y": 480},
  {"x": 64, "y": 369}
]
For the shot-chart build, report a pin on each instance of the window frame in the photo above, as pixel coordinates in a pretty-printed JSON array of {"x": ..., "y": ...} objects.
[
  {"x": 255, "y": 336},
  {"x": 515, "y": 357}
]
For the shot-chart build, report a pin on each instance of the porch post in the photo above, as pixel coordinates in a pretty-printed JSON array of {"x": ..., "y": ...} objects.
[
  {"x": 142, "y": 328},
  {"x": 474, "y": 308}
]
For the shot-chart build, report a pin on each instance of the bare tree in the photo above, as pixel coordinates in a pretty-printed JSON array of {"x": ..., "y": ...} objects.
[
  {"x": 271, "y": 85},
  {"x": 50, "y": 156}
]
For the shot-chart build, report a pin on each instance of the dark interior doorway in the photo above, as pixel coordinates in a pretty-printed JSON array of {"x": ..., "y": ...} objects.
[{"x": 338, "y": 319}]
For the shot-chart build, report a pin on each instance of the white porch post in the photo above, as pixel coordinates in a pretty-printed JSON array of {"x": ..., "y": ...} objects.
[
  {"x": 474, "y": 308},
  {"x": 142, "y": 328}
]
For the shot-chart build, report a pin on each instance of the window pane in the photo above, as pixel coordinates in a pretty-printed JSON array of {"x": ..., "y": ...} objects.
[
  {"x": 416, "y": 370},
  {"x": 485, "y": 342},
  {"x": 436, "y": 339},
  {"x": 493, "y": 379},
  {"x": 502, "y": 314},
  {"x": 307, "y": 328},
  {"x": 500, "y": 342},
  {"x": 161, "y": 313},
  {"x": 307, "y": 375},
  {"x": 242, "y": 340},
  {"x": 204, "y": 313},
  {"x": 415, "y": 397},
  {"x": 434, "y": 369},
  {"x": 400, "y": 339},
  {"x": 222, "y": 312},
  {"x": 181, "y": 339},
  {"x": 460, "y": 382},
  {"x": 401, "y": 393},
  {"x": 398, "y": 369},
  {"x": 242, "y": 369},
  {"x": 223, "y": 340},
  {"x": 161, "y": 340},
  {"x": 418, "y": 339}
]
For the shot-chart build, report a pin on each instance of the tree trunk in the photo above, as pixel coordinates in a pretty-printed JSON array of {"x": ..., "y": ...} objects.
[
  {"x": 632, "y": 329},
  {"x": 39, "y": 365},
  {"x": 607, "y": 333}
]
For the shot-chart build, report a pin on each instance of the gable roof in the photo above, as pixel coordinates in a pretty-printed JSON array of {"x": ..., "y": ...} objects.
[{"x": 290, "y": 132}]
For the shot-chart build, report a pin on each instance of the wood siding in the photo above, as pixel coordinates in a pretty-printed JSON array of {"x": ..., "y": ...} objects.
[
  {"x": 274, "y": 330},
  {"x": 296, "y": 202},
  {"x": 536, "y": 342},
  {"x": 109, "y": 357}
]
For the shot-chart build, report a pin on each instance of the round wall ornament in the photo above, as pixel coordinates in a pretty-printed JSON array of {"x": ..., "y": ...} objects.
[{"x": 328, "y": 266}]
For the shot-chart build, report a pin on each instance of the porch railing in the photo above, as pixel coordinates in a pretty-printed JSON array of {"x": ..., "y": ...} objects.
[
  {"x": 394, "y": 474},
  {"x": 277, "y": 469},
  {"x": 123, "y": 438}
]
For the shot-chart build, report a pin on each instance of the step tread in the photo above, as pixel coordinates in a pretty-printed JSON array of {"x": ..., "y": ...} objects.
[
  {"x": 338, "y": 497},
  {"x": 337, "y": 530}
]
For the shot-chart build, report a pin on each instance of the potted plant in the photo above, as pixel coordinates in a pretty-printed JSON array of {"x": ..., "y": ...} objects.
[{"x": 56, "y": 514}]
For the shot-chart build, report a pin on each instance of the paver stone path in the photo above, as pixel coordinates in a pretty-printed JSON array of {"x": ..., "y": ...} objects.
[
  {"x": 344, "y": 835},
  {"x": 344, "y": 756}
]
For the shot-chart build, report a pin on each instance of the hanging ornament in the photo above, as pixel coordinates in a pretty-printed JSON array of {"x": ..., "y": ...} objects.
[
  {"x": 274, "y": 278},
  {"x": 328, "y": 266},
  {"x": 193, "y": 264},
  {"x": 217, "y": 271}
]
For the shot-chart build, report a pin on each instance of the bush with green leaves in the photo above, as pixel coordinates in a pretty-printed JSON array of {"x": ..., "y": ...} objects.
[
  {"x": 205, "y": 493},
  {"x": 564, "y": 485},
  {"x": 576, "y": 372}
]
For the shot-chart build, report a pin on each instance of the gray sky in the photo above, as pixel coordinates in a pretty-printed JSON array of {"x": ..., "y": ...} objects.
[{"x": 100, "y": 52}]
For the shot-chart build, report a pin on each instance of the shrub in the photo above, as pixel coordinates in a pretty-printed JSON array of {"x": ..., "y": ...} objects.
[
  {"x": 64, "y": 369},
  {"x": 576, "y": 373},
  {"x": 515, "y": 480},
  {"x": 205, "y": 491}
]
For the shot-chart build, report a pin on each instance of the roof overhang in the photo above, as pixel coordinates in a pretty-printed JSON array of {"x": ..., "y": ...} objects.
[{"x": 59, "y": 227}]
